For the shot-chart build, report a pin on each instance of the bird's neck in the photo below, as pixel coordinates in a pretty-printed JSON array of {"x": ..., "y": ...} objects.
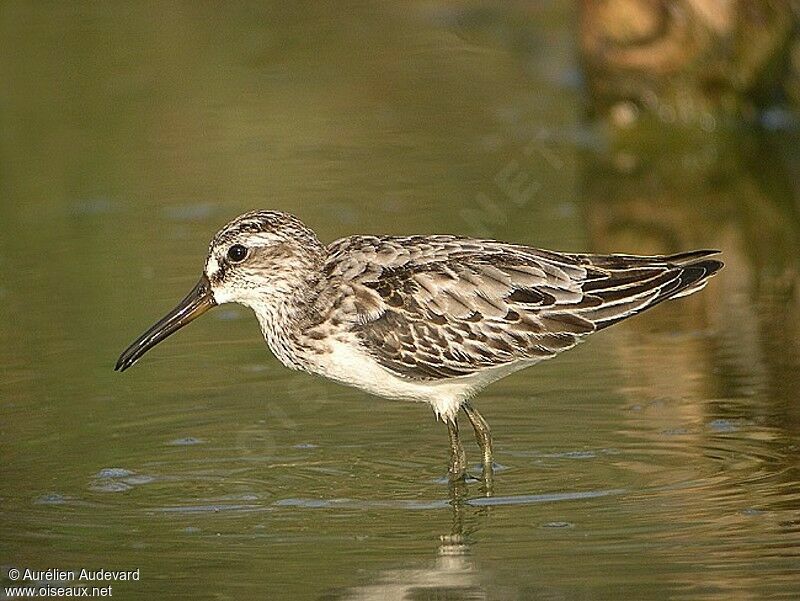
[{"x": 283, "y": 321}]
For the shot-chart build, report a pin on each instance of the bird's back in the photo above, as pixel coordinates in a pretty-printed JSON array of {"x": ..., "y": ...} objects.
[{"x": 431, "y": 308}]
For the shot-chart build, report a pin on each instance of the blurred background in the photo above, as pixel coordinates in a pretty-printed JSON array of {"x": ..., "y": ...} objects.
[{"x": 658, "y": 460}]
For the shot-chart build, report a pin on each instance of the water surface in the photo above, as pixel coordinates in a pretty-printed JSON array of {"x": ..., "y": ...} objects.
[{"x": 656, "y": 461}]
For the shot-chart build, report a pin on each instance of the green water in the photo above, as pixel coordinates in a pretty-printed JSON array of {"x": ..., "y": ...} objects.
[{"x": 659, "y": 460}]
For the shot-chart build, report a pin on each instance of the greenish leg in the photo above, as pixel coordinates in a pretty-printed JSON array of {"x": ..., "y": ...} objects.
[
  {"x": 458, "y": 460},
  {"x": 482, "y": 432},
  {"x": 484, "y": 437}
]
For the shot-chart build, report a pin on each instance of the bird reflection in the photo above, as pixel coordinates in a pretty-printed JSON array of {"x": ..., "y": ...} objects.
[{"x": 450, "y": 575}]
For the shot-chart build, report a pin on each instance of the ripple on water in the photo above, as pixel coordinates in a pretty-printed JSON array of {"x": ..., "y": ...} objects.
[
  {"x": 572, "y": 454},
  {"x": 52, "y": 498},
  {"x": 725, "y": 425},
  {"x": 185, "y": 442},
  {"x": 443, "y": 503},
  {"x": 558, "y": 525},
  {"x": 117, "y": 479},
  {"x": 215, "y": 508},
  {"x": 113, "y": 472},
  {"x": 249, "y": 503}
]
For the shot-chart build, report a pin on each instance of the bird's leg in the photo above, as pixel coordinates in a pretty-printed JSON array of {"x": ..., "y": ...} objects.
[
  {"x": 458, "y": 460},
  {"x": 482, "y": 432},
  {"x": 484, "y": 437}
]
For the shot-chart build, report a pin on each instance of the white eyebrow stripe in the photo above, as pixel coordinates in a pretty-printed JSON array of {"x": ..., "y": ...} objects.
[{"x": 261, "y": 238}]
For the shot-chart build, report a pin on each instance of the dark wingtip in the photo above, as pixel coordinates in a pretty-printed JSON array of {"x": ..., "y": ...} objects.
[
  {"x": 695, "y": 273},
  {"x": 708, "y": 266},
  {"x": 714, "y": 266},
  {"x": 692, "y": 275},
  {"x": 686, "y": 258}
]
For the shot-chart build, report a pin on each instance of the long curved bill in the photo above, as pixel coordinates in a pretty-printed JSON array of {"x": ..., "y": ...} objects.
[{"x": 197, "y": 302}]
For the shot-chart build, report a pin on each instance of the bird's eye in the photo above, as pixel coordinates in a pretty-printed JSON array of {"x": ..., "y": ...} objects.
[{"x": 237, "y": 253}]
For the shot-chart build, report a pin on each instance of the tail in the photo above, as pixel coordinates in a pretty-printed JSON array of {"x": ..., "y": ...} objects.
[{"x": 627, "y": 284}]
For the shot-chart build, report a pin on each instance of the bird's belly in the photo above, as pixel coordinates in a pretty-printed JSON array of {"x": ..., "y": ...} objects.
[{"x": 352, "y": 366}]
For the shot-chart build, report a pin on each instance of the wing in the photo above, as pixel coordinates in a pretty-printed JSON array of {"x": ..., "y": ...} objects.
[{"x": 437, "y": 307}]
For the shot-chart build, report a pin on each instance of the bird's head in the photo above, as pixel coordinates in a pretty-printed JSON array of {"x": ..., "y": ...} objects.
[{"x": 260, "y": 259}]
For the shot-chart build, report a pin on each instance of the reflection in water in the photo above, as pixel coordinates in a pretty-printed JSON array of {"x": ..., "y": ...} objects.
[
  {"x": 657, "y": 198},
  {"x": 451, "y": 575}
]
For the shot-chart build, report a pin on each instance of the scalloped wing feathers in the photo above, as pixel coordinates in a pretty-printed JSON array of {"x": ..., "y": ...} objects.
[{"x": 436, "y": 307}]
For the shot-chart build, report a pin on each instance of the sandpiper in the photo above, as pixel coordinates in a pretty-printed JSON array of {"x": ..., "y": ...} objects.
[{"x": 420, "y": 318}]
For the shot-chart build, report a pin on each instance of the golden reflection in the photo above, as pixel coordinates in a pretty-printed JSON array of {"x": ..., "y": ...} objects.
[
  {"x": 659, "y": 196},
  {"x": 710, "y": 410}
]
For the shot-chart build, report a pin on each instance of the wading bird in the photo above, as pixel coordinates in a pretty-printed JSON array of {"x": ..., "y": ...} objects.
[{"x": 420, "y": 318}]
